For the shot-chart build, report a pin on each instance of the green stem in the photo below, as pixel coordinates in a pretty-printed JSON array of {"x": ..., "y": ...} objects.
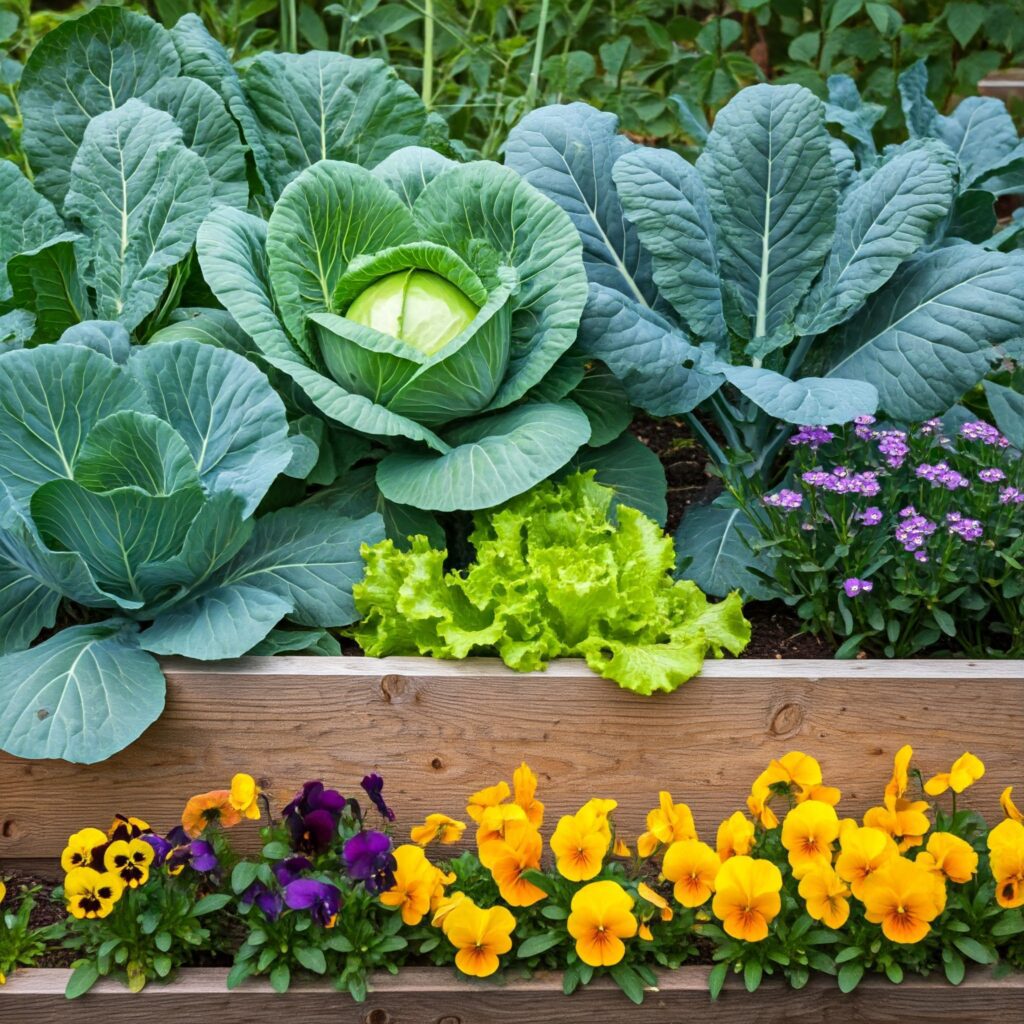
[
  {"x": 538, "y": 56},
  {"x": 428, "y": 53},
  {"x": 708, "y": 441}
]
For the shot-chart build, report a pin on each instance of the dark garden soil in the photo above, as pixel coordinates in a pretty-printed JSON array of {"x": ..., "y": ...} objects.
[
  {"x": 777, "y": 632},
  {"x": 47, "y": 911}
]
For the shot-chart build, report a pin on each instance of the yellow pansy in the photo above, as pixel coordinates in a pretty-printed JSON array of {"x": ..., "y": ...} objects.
[
  {"x": 966, "y": 770},
  {"x": 668, "y": 823}
]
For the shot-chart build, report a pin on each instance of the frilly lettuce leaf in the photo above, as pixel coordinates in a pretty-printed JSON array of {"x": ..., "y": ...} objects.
[{"x": 554, "y": 576}]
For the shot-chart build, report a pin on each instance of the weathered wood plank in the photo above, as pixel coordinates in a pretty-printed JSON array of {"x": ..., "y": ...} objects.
[
  {"x": 439, "y": 730},
  {"x": 425, "y": 996},
  {"x": 1003, "y": 85}
]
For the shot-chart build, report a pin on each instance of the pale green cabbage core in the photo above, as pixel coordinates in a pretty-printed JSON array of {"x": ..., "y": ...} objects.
[{"x": 418, "y": 307}]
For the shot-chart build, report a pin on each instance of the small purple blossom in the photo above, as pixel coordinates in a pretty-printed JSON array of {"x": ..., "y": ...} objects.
[
  {"x": 854, "y": 586},
  {"x": 893, "y": 445},
  {"x": 784, "y": 499},
  {"x": 914, "y": 531},
  {"x": 286, "y": 871},
  {"x": 203, "y": 857},
  {"x": 979, "y": 430},
  {"x": 940, "y": 475},
  {"x": 961, "y": 526},
  {"x": 842, "y": 481},
  {"x": 161, "y": 847},
  {"x": 862, "y": 427},
  {"x": 991, "y": 475},
  {"x": 312, "y": 817},
  {"x": 871, "y": 516},
  {"x": 1011, "y": 496},
  {"x": 197, "y": 854},
  {"x": 921, "y": 556},
  {"x": 373, "y": 785},
  {"x": 368, "y": 859},
  {"x": 266, "y": 899},
  {"x": 811, "y": 436},
  {"x": 321, "y": 899},
  {"x": 929, "y": 427}
]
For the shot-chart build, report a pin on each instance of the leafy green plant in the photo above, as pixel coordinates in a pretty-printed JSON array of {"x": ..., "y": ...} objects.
[
  {"x": 418, "y": 303},
  {"x": 770, "y": 285},
  {"x": 553, "y": 576},
  {"x": 130, "y": 479},
  {"x": 21, "y": 944}
]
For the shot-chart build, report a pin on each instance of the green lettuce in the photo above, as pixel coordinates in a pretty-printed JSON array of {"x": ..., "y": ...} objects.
[{"x": 554, "y": 576}]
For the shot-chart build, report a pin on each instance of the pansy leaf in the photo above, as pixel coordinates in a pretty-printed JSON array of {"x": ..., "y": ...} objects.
[
  {"x": 140, "y": 197},
  {"x": 50, "y": 399},
  {"x": 81, "y": 69},
  {"x": 225, "y": 410},
  {"x": 82, "y": 695},
  {"x": 329, "y": 106},
  {"x": 493, "y": 458}
]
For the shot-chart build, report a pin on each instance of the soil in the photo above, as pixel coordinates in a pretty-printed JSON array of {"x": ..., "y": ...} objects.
[{"x": 47, "y": 911}]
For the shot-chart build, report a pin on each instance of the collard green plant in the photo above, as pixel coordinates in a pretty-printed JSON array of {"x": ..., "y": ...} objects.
[
  {"x": 768, "y": 285},
  {"x": 129, "y": 479},
  {"x": 424, "y": 304}
]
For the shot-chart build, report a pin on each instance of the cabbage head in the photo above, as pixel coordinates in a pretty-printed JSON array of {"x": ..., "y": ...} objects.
[{"x": 424, "y": 304}]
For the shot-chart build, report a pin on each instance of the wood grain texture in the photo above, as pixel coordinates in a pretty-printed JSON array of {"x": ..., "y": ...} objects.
[
  {"x": 1003, "y": 85},
  {"x": 424, "y": 996},
  {"x": 440, "y": 730}
]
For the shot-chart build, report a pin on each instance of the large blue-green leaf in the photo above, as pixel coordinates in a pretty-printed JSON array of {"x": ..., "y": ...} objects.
[
  {"x": 631, "y": 470},
  {"x": 107, "y": 337},
  {"x": 857, "y": 118},
  {"x": 308, "y": 556},
  {"x": 46, "y": 281},
  {"x": 919, "y": 111},
  {"x": 27, "y": 220},
  {"x": 1007, "y": 408},
  {"x": 772, "y": 186},
  {"x": 330, "y": 214},
  {"x": 714, "y": 548},
  {"x": 880, "y": 224},
  {"x": 407, "y": 172},
  {"x": 27, "y": 606},
  {"x": 135, "y": 449},
  {"x": 232, "y": 253},
  {"x": 929, "y": 334},
  {"x": 328, "y": 106},
  {"x": 657, "y": 363},
  {"x": 1006, "y": 177},
  {"x": 482, "y": 205},
  {"x": 16, "y": 328},
  {"x": 602, "y": 396},
  {"x": 209, "y": 131},
  {"x": 140, "y": 197},
  {"x": 823, "y": 400},
  {"x": 981, "y": 134},
  {"x": 224, "y": 622},
  {"x": 204, "y": 58},
  {"x": 82, "y": 68},
  {"x": 50, "y": 399},
  {"x": 665, "y": 199},
  {"x": 493, "y": 458},
  {"x": 568, "y": 153},
  {"x": 82, "y": 695},
  {"x": 225, "y": 409},
  {"x": 117, "y": 532}
]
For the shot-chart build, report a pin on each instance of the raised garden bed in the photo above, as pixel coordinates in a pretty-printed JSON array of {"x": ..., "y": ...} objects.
[{"x": 439, "y": 729}]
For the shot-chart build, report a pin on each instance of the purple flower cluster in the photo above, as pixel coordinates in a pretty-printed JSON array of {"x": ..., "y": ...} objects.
[
  {"x": 813, "y": 437},
  {"x": 991, "y": 476},
  {"x": 312, "y": 817},
  {"x": 979, "y": 430},
  {"x": 930, "y": 427},
  {"x": 871, "y": 516},
  {"x": 784, "y": 499},
  {"x": 1011, "y": 496},
  {"x": 178, "y": 852},
  {"x": 962, "y": 526},
  {"x": 892, "y": 444},
  {"x": 913, "y": 532},
  {"x": 941, "y": 475},
  {"x": 842, "y": 481},
  {"x": 862, "y": 427}
]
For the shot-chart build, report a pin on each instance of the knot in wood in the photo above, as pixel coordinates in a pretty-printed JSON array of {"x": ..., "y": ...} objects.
[
  {"x": 396, "y": 689},
  {"x": 449, "y": 1020},
  {"x": 377, "y": 1017},
  {"x": 786, "y": 720}
]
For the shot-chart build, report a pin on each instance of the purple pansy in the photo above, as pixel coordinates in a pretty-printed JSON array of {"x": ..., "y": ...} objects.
[
  {"x": 161, "y": 847},
  {"x": 286, "y": 871},
  {"x": 270, "y": 902},
  {"x": 312, "y": 817},
  {"x": 321, "y": 899},
  {"x": 373, "y": 784},
  {"x": 368, "y": 859}
]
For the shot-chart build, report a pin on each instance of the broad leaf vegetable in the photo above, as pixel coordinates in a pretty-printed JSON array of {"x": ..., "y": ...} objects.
[
  {"x": 128, "y": 483},
  {"x": 553, "y": 576},
  {"x": 770, "y": 285},
  {"x": 423, "y": 304}
]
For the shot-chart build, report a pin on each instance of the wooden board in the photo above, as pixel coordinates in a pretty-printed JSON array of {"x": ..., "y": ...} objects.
[
  {"x": 1003, "y": 85},
  {"x": 425, "y": 996},
  {"x": 439, "y": 730}
]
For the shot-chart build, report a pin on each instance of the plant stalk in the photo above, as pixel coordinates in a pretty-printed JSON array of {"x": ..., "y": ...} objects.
[
  {"x": 428, "y": 53},
  {"x": 533, "y": 86}
]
